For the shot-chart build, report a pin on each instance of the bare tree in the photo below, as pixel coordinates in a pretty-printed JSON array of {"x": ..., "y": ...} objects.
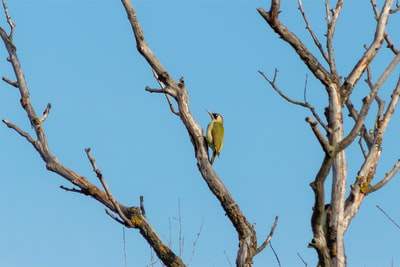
[
  {"x": 134, "y": 217},
  {"x": 330, "y": 220}
]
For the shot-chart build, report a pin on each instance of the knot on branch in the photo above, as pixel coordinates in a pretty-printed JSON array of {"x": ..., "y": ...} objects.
[
  {"x": 163, "y": 77},
  {"x": 23, "y": 101},
  {"x": 181, "y": 82}
]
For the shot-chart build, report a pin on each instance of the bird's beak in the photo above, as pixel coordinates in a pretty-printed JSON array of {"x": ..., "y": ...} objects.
[{"x": 210, "y": 113}]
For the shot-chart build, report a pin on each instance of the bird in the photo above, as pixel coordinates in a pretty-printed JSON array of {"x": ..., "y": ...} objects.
[{"x": 215, "y": 134}]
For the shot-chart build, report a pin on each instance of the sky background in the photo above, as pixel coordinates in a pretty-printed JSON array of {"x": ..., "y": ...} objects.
[{"x": 81, "y": 57}]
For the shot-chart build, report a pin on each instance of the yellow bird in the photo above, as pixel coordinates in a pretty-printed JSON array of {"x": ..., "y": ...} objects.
[{"x": 215, "y": 134}]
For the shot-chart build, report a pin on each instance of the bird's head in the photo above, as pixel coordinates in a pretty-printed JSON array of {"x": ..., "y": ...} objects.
[{"x": 215, "y": 116}]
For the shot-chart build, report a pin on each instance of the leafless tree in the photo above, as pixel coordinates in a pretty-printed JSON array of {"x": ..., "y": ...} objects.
[
  {"x": 329, "y": 220},
  {"x": 134, "y": 217}
]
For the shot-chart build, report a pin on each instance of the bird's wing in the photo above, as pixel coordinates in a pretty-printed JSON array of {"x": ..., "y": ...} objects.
[{"x": 218, "y": 134}]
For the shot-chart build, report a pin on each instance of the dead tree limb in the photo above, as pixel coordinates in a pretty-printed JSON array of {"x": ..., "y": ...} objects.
[{"x": 177, "y": 90}]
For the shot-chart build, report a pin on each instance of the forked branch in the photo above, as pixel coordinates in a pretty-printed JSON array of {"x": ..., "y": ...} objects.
[
  {"x": 271, "y": 17},
  {"x": 370, "y": 54},
  {"x": 292, "y": 101}
]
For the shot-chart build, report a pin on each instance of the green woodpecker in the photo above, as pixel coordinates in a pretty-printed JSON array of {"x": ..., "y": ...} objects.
[{"x": 215, "y": 134}]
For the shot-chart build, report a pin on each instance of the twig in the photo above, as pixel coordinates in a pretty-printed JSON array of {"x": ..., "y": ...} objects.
[
  {"x": 369, "y": 140},
  {"x": 301, "y": 258},
  {"x": 142, "y": 206},
  {"x": 273, "y": 84},
  {"x": 390, "y": 218},
  {"x": 227, "y": 258},
  {"x": 379, "y": 101},
  {"x": 308, "y": 27},
  {"x": 276, "y": 255},
  {"x": 367, "y": 104},
  {"x": 195, "y": 242},
  {"x": 272, "y": 18},
  {"x": 332, "y": 19},
  {"x": 124, "y": 240},
  {"x": 305, "y": 89},
  {"x": 171, "y": 106},
  {"x": 73, "y": 189},
  {"x": 106, "y": 188},
  {"x": 163, "y": 89},
  {"x": 20, "y": 132},
  {"x": 170, "y": 233},
  {"x": 108, "y": 212},
  {"x": 7, "y": 80},
  {"x": 181, "y": 239},
  {"x": 361, "y": 145},
  {"x": 45, "y": 113},
  {"x": 388, "y": 40},
  {"x": 386, "y": 179},
  {"x": 320, "y": 137},
  {"x": 9, "y": 21},
  {"x": 305, "y": 104},
  {"x": 268, "y": 239},
  {"x": 357, "y": 71},
  {"x": 153, "y": 260},
  {"x": 154, "y": 90}
]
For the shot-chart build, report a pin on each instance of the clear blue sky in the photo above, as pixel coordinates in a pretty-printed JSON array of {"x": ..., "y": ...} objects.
[{"x": 81, "y": 57}]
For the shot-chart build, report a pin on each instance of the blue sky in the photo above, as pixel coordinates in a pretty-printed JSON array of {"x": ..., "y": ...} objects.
[{"x": 80, "y": 56}]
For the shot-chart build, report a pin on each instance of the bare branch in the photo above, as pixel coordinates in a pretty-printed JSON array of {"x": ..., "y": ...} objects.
[
  {"x": 369, "y": 55},
  {"x": 318, "y": 221},
  {"x": 115, "y": 218},
  {"x": 171, "y": 106},
  {"x": 276, "y": 255},
  {"x": 131, "y": 215},
  {"x": 368, "y": 169},
  {"x": 21, "y": 132},
  {"x": 301, "y": 258},
  {"x": 385, "y": 179},
  {"x": 154, "y": 90},
  {"x": 15, "y": 84},
  {"x": 388, "y": 40},
  {"x": 45, "y": 113},
  {"x": 195, "y": 242},
  {"x": 269, "y": 237},
  {"x": 361, "y": 145},
  {"x": 323, "y": 142},
  {"x": 165, "y": 90},
  {"x": 354, "y": 114},
  {"x": 271, "y": 17},
  {"x": 145, "y": 51},
  {"x": 124, "y": 240},
  {"x": 227, "y": 259},
  {"x": 273, "y": 85},
  {"x": 391, "y": 107},
  {"x": 295, "y": 102},
  {"x": 142, "y": 206},
  {"x": 308, "y": 27},
  {"x": 73, "y": 189},
  {"x": 107, "y": 189},
  {"x": 329, "y": 34},
  {"x": 9, "y": 21},
  {"x": 390, "y": 218},
  {"x": 367, "y": 103},
  {"x": 379, "y": 101}
]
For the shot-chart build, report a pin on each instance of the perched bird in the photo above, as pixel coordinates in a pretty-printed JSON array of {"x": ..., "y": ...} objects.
[{"x": 215, "y": 134}]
